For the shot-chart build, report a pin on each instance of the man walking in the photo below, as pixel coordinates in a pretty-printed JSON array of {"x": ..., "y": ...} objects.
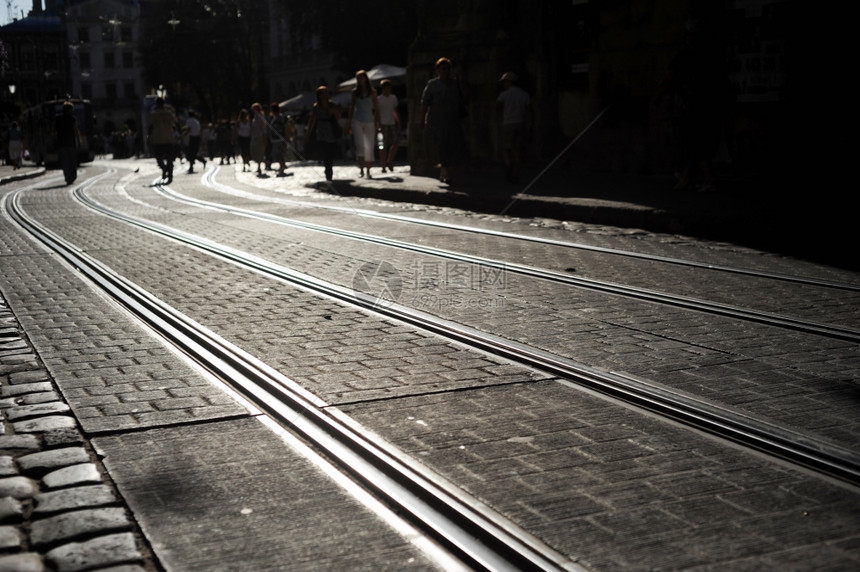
[
  {"x": 68, "y": 140},
  {"x": 512, "y": 106},
  {"x": 162, "y": 127},
  {"x": 192, "y": 125},
  {"x": 278, "y": 138}
]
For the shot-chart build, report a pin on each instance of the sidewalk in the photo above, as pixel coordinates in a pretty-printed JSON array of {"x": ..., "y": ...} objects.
[
  {"x": 8, "y": 173},
  {"x": 753, "y": 213}
]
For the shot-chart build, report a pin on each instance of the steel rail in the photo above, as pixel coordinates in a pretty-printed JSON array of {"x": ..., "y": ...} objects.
[
  {"x": 696, "y": 304},
  {"x": 755, "y": 433},
  {"x": 484, "y": 540},
  {"x": 209, "y": 180}
]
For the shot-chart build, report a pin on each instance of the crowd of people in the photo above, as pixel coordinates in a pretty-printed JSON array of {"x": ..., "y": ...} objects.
[
  {"x": 370, "y": 129},
  {"x": 263, "y": 138}
]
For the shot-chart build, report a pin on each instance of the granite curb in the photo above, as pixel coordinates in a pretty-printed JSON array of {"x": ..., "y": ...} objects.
[{"x": 9, "y": 174}]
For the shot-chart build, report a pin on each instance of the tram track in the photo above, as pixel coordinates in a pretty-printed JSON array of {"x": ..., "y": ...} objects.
[
  {"x": 209, "y": 179},
  {"x": 471, "y": 532},
  {"x": 724, "y": 422},
  {"x": 688, "y": 303}
]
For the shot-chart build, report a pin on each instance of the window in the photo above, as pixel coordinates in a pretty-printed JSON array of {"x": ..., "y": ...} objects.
[
  {"x": 83, "y": 34},
  {"x": 107, "y": 33},
  {"x": 84, "y": 58},
  {"x": 128, "y": 90},
  {"x": 110, "y": 62},
  {"x": 110, "y": 91},
  {"x": 125, "y": 34},
  {"x": 51, "y": 61},
  {"x": 128, "y": 60},
  {"x": 86, "y": 91}
]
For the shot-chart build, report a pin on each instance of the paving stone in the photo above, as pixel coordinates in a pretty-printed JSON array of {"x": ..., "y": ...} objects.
[
  {"x": 43, "y": 424},
  {"x": 8, "y": 442},
  {"x": 7, "y": 402},
  {"x": 36, "y": 410},
  {"x": 14, "y": 390},
  {"x": 10, "y": 537},
  {"x": 7, "y": 466},
  {"x": 83, "y": 474},
  {"x": 11, "y": 346},
  {"x": 96, "y": 553},
  {"x": 18, "y": 487},
  {"x": 34, "y": 398},
  {"x": 53, "y": 459},
  {"x": 10, "y": 509},
  {"x": 24, "y": 562},
  {"x": 28, "y": 377},
  {"x": 73, "y": 498},
  {"x": 64, "y": 436},
  {"x": 71, "y": 525}
]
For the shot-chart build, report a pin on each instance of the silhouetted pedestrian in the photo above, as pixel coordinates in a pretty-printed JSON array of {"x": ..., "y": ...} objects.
[
  {"x": 194, "y": 132},
  {"x": 442, "y": 110},
  {"x": 209, "y": 140},
  {"x": 363, "y": 121},
  {"x": 16, "y": 145},
  {"x": 389, "y": 121},
  {"x": 243, "y": 136},
  {"x": 278, "y": 138},
  {"x": 258, "y": 137},
  {"x": 512, "y": 107},
  {"x": 68, "y": 141},
  {"x": 162, "y": 136},
  {"x": 324, "y": 130}
]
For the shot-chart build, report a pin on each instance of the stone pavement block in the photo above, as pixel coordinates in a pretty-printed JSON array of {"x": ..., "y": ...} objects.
[
  {"x": 11, "y": 442},
  {"x": 10, "y": 509},
  {"x": 29, "y": 377},
  {"x": 42, "y": 424},
  {"x": 36, "y": 410},
  {"x": 53, "y": 459},
  {"x": 10, "y": 538},
  {"x": 36, "y": 398},
  {"x": 96, "y": 553},
  {"x": 86, "y": 473},
  {"x": 71, "y": 525},
  {"x": 18, "y": 487},
  {"x": 73, "y": 498},
  {"x": 24, "y": 562},
  {"x": 7, "y": 466},
  {"x": 62, "y": 437},
  {"x": 23, "y": 389}
]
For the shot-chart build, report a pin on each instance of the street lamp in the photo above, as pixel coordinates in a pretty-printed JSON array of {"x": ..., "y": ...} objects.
[
  {"x": 12, "y": 88},
  {"x": 161, "y": 92}
]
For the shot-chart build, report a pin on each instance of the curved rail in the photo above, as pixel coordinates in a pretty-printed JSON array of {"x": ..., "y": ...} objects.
[
  {"x": 724, "y": 422},
  {"x": 736, "y": 312},
  {"x": 477, "y": 536},
  {"x": 209, "y": 180}
]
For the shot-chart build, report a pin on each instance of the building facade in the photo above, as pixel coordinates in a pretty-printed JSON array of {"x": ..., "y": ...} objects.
[
  {"x": 102, "y": 38},
  {"x": 81, "y": 49},
  {"x": 37, "y": 57}
]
